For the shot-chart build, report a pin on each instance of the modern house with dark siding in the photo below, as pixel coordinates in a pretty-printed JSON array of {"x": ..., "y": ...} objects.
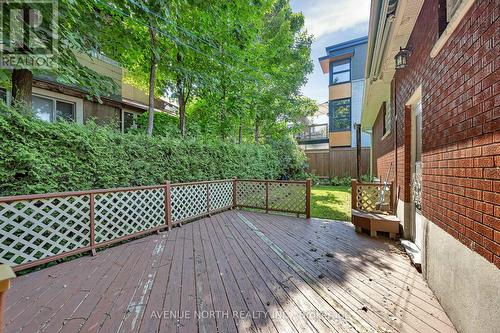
[
  {"x": 332, "y": 150},
  {"x": 345, "y": 66}
]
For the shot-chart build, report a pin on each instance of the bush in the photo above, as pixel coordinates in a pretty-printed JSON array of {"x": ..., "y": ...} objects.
[
  {"x": 340, "y": 181},
  {"x": 39, "y": 157}
]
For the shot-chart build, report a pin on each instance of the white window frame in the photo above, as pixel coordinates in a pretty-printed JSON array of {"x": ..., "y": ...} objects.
[
  {"x": 387, "y": 114},
  {"x": 54, "y": 96},
  {"x": 460, "y": 8}
]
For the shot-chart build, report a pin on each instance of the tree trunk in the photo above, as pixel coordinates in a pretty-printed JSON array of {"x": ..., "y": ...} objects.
[
  {"x": 257, "y": 131},
  {"x": 182, "y": 108},
  {"x": 152, "y": 81},
  {"x": 222, "y": 115},
  {"x": 240, "y": 134},
  {"x": 22, "y": 87}
]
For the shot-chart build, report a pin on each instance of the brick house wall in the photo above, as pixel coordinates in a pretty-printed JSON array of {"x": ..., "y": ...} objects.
[
  {"x": 461, "y": 126},
  {"x": 383, "y": 152}
]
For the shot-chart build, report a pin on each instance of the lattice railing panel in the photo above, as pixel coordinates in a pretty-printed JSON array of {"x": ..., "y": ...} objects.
[
  {"x": 369, "y": 196},
  {"x": 221, "y": 195},
  {"x": 41, "y": 228},
  {"x": 289, "y": 197},
  {"x": 188, "y": 201},
  {"x": 251, "y": 194},
  {"x": 120, "y": 214}
]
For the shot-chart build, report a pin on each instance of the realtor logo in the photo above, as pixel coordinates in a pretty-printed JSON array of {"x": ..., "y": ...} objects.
[{"x": 28, "y": 33}]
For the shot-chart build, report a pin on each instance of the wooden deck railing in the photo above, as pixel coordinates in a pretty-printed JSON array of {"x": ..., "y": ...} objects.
[
  {"x": 40, "y": 228},
  {"x": 372, "y": 197}
]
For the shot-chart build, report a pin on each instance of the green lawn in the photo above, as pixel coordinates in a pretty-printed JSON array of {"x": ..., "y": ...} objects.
[{"x": 331, "y": 202}]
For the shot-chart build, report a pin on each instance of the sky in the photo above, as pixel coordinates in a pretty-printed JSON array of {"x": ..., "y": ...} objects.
[{"x": 331, "y": 22}]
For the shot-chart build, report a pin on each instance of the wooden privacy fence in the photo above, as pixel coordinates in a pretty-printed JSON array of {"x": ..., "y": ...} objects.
[
  {"x": 337, "y": 162},
  {"x": 39, "y": 228}
]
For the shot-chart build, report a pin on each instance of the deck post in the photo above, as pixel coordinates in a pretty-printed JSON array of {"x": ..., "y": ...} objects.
[
  {"x": 168, "y": 206},
  {"x": 235, "y": 180},
  {"x": 208, "y": 199},
  {"x": 267, "y": 197},
  {"x": 308, "y": 198},
  {"x": 6, "y": 274},
  {"x": 354, "y": 191},
  {"x": 92, "y": 224}
]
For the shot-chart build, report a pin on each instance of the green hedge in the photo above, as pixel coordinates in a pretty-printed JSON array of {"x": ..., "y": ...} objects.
[{"x": 39, "y": 157}]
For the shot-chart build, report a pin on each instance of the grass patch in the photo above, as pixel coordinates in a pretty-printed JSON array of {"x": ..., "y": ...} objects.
[{"x": 331, "y": 202}]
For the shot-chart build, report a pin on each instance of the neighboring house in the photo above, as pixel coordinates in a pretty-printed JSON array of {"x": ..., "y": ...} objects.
[
  {"x": 53, "y": 101},
  {"x": 345, "y": 66},
  {"x": 315, "y": 134},
  {"x": 435, "y": 127},
  {"x": 330, "y": 141}
]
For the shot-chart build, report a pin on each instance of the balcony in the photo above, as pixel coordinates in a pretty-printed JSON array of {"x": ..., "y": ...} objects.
[{"x": 314, "y": 134}]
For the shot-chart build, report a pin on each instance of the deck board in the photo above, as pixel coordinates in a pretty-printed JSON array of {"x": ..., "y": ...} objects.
[{"x": 241, "y": 272}]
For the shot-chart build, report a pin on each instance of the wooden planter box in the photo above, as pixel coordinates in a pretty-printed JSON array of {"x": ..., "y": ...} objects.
[
  {"x": 374, "y": 222},
  {"x": 366, "y": 214}
]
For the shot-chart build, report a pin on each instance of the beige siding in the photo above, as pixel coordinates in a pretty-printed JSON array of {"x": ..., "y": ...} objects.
[
  {"x": 135, "y": 94},
  {"x": 102, "y": 67},
  {"x": 339, "y": 91},
  {"x": 340, "y": 139}
]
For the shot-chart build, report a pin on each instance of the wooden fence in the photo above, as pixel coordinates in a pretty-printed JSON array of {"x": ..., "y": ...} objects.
[
  {"x": 40, "y": 228},
  {"x": 337, "y": 162}
]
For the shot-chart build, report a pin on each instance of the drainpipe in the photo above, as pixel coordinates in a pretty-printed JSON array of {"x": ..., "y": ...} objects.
[{"x": 358, "y": 151}]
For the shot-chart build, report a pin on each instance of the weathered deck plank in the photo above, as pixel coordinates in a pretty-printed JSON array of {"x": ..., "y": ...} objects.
[
  {"x": 340, "y": 282},
  {"x": 241, "y": 271}
]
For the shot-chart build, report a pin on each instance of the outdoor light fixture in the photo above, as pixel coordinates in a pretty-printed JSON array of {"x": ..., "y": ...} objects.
[{"x": 401, "y": 58}]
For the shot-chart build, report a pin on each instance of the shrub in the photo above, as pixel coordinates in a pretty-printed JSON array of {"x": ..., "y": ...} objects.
[
  {"x": 40, "y": 157},
  {"x": 340, "y": 181}
]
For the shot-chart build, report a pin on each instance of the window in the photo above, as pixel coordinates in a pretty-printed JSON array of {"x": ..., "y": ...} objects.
[
  {"x": 341, "y": 71},
  {"x": 3, "y": 95},
  {"x": 387, "y": 117},
  {"x": 340, "y": 115},
  {"x": 442, "y": 17},
  {"x": 446, "y": 10},
  {"x": 51, "y": 110},
  {"x": 451, "y": 8},
  {"x": 129, "y": 121}
]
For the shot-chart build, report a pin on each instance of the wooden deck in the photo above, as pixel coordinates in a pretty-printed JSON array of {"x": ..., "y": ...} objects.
[{"x": 234, "y": 272}]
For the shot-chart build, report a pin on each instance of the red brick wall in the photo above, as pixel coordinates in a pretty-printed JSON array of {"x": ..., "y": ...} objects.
[
  {"x": 461, "y": 125},
  {"x": 383, "y": 151}
]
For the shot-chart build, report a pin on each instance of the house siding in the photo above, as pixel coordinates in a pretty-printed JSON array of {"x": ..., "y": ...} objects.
[
  {"x": 358, "y": 62},
  {"x": 383, "y": 151},
  {"x": 357, "y": 88},
  {"x": 460, "y": 94},
  {"x": 460, "y": 134}
]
